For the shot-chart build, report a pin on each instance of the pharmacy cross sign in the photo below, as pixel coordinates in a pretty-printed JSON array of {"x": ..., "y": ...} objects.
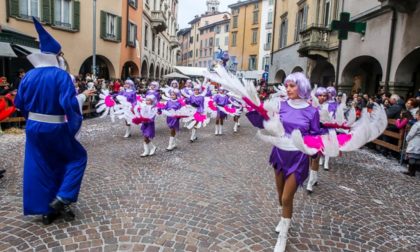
[{"x": 344, "y": 26}]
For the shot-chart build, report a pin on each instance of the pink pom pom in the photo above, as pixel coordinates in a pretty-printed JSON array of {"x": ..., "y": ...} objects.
[{"x": 109, "y": 102}]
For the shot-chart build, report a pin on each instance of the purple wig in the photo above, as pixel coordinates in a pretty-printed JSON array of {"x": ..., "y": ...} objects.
[
  {"x": 154, "y": 85},
  {"x": 174, "y": 91},
  {"x": 174, "y": 84},
  {"x": 304, "y": 87},
  {"x": 321, "y": 91},
  {"x": 152, "y": 98},
  {"x": 332, "y": 93},
  {"x": 130, "y": 84}
]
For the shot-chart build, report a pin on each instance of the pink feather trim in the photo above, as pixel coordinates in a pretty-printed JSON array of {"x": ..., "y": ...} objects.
[
  {"x": 230, "y": 110},
  {"x": 160, "y": 105},
  {"x": 343, "y": 139},
  {"x": 139, "y": 98},
  {"x": 199, "y": 117},
  {"x": 109, "y": 102},
  {"x": 260, "y": 109},
  {"x": 314, "y": 142},
  {"x": 212, "y": 106},
  {"x": 182, "y": 102},
  {"x": 140, "y": 120},
  {"x": 335, "y": 126}
]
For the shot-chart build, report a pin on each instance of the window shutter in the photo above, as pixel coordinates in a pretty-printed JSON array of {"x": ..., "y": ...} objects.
[
  {"x": 52, "y": 10},
  {"x": 46, "y": 10},
  {"x": 305, "y": 16},
  {"x": 76, "y": 15},
  {"x": 14, "y": 8},
  {"x": 119, "y": 29},
  {"x": 103, "y": 24},
  {"x": 285, "y": 34}
]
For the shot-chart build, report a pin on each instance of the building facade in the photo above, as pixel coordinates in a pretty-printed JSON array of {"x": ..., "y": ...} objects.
[
  {"x": 388, "y": 54},
  {"x": 245, "y": 31},
  {"x": 160, "y": 44},
  {"x": 184, "y": 57},
  {"x": 266, "y": 37}
]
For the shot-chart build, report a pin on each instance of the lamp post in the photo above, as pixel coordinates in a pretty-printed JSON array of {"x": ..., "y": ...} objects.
[{"x": 94, "y": 42}]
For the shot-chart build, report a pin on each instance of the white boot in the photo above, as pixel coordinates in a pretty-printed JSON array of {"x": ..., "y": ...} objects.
[
  {"x": 235, "y": 127},
  {"x": 220, "y": 129},
  {"x": 193, "y": 135},
  {"x": 282, "y": 238},
  {"x": 327, "y": 160},
  {"x": 127, "y": 131},
  {"x": 321, "y": 160},
  {"x": 152, "y": 149},
  {"x": 172, "y": 144},
  {"x": 216, "y": 129},
  {"x": 146, "y": 150},
  {"x": 313, "y": 179}
]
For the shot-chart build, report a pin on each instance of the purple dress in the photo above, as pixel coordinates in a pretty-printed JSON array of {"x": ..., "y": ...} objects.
[
  {"x": 292, "y": 162},
  {"x": 197, "y": 101},
  {"x": 221, "y": 100},
  {"x": 148, "y": 129},
  {"x": 172, "y": 122},
  {"x": 130, "y": 95},
  {"x": 155, "y": 93}
]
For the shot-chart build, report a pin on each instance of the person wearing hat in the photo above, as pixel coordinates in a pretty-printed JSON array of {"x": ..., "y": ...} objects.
[
  {"x": 221, "y": 100},
  {"x": 197, "y": 101},
  {"x": 55, "y": 161},
  {"x": 129, "y": 92},
  {"x": 149, "y": 110}
]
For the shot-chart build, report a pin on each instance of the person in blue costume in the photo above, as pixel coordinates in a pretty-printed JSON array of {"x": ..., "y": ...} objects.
[{"x": 54, "y": 160}]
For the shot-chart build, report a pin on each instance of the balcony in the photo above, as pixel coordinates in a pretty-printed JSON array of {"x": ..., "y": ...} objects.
[
  {"x": 267, "y": 46},
  {"x": 174, "y": 42},
  {"x": 405, "y": 6},
  {"x": 316, "y": 41},
  {"x": 159, "y": 21}
]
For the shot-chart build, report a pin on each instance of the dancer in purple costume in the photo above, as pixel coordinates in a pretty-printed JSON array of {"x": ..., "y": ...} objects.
[
  {"x": 148, "y": 128},
  {"x": 188, "y": 89},
  {"x": 173, "y": 122},
  {"x": 130, "y": 93},
  {"x": 154, "y": 90},
  {"x": 220, "y": 99},
  {"x": 197, "y": 101},
  {"x": 238, "y": 105},
  {"x": 291, "y": 167}
]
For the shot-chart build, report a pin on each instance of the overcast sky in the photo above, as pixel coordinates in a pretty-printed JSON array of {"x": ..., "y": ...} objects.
[{"x": 189, "y": 8}]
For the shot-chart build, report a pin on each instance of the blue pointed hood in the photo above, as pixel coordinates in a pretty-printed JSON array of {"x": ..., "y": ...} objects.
[{"x": 47, "y": 43}]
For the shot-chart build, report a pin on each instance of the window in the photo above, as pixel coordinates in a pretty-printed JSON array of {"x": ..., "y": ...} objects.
[
  {"x": 210, "y": 41},
  {"x": 205, "y": 52},
  {"x": 158, "y": 46},
  {"x": 235, "y": 11},
  {"x": 283, "y": 33},
  {"x": 211, "y": 29},
  {"x": 191, "y": 39},
  {"x": 301, "y": 18},
  {"x": 270, "y": 2},
  {"x": 254, "y": 36},
  {"x": 196, "y": 52},
  {"x": 217, "y": 42},
  {"x": 227, "y": 28},
  {"x": 132, "y": 34},
  {"x": 234, "y": 35},
  {"x": 235, "y": 22},
  {"x": 218, "y": 29},
  {"x": 269, "y": 38},
  {"x": 146, "y": 35},
  {"x": 226, "y": 40},
  {"x": 197, "y": 37},
  {"x": 270, "y": 17},
  {"x": 256, "y": 6},
  {"x": 201, "y": 53},
  {"x": 111, "y": 26},
  {"x": 63, "y": 13},
  {"x": 327, "y": 13},
  {"x": 210, "y": 51},
  {"x": 252, "y": 64},
  {"x": 133, "y": 3},
  {"x": 206, "y": 43},
  {"x": 29, "y": 8},
  {"x": 255, "y": 17},
  {"x": 201, "y": 43}
]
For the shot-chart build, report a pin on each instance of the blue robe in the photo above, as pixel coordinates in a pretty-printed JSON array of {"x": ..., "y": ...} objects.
[{"x": 54, "y": 160}]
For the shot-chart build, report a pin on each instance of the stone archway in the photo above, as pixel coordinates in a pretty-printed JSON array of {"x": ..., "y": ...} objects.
[
  {"x": 104, "y": 67},
  {"x": 129, "y": 70},
  {"x": 280, "y": 76},
  {"x": 297, "y": 69},
  {"x": 162, "y": 73},
  {"x": 152, "y": 72},
  {"x": 323, "y": 74},
  {"x": 408, "y": 72},
  {"x": 157, "y": 72},
  {"x": 144, "y": 69},
  {"x": 362, "y": 74}
]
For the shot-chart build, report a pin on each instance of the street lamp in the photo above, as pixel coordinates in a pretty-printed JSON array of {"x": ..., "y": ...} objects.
[{"x": 94, "y": 42}]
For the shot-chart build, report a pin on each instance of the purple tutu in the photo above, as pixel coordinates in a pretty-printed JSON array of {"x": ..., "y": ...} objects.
[
  {"x": 290, "y": 162},
  {"x": 173, "y": 123},
  {"x": 221, "y": 114},
  {"x": 148, "y": 129}
]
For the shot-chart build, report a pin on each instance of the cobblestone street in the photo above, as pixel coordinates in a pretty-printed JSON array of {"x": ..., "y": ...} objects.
[{"x": 217, "y": 194}]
